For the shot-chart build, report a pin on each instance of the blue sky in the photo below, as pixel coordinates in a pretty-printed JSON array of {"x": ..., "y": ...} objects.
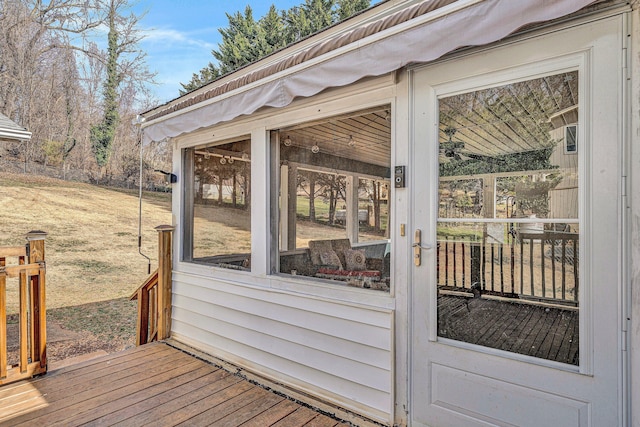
[{"x": 180, "y": 35}]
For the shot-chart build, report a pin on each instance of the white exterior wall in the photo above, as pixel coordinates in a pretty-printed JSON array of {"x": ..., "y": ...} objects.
[
  {"x": 339, "y": 352},
  {"x": 333, "y": 342},
  {"x": 632, "y": 208}
]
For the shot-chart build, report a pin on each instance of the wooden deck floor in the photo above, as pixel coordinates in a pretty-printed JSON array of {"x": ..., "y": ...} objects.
[
  {"x": 154, "y": 384},
  {"x": 540, "y": 331}
]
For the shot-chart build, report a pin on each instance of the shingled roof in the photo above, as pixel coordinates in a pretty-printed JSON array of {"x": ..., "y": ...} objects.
[{"x": 9, "y": 130}]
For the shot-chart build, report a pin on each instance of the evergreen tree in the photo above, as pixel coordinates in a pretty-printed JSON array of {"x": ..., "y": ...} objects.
[
  {"x": 240, "y": 44},
  {"x": 319, "y": 15},
  {"x": 348, "y": 8},
  {"x": 271, "y": 29},
  {"x": 206, "y": 75},
  {"x": 246, "y": 40}
]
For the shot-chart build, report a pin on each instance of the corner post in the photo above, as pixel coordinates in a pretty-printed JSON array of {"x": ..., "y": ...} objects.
[
  {"x": 38, "y": 310},
  {"x": 164, "y": 280}
]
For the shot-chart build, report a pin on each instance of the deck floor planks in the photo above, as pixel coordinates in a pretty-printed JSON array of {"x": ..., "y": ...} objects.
[
  {"x": 522, "y": 318},
  {"x": 71, "y": 372},
  {"x": 322, "y": 421},
  {"x": 111, "y": 404},
  {"x": 75, "y": 379},
  {"x": 528, "y": 335},
  {"x": 84, "y": 400},
  {"x": 249, "y": 411},
  {"x": 196, "y": 407},
  {"x": 226, "y": 408},
  {"x": 117, "y": 414},
  {"x": 272, "y": 415},
  {"x": 180, "y": 388},
  {"x": 180, "y": 405},
  {"x": 569, "y": 348},
  {"x": 55, "y": 389},
  {"x": 555, "y": 327},
  {"x": 495, "y": 329},
  {"x": 300, "y": 416},
  {"x": 546, "y": 332}
]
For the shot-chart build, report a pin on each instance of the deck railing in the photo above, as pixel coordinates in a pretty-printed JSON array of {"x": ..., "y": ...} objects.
[
  {"x": 154, "y": 295},
  {"x": 27, "y": 265},
  {"x": 541, "y": 266}
]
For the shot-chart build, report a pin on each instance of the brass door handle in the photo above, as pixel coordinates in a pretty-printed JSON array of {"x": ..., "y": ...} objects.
[
  {"x": 417, "y": 248},
  {"x": 417, "y": 245}
]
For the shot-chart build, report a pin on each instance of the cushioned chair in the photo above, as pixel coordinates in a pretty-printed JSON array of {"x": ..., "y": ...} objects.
[{"x": 336, "y": 259}]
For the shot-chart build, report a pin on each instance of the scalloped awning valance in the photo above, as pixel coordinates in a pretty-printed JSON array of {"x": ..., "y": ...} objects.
[{"x": 418, "y": 34}]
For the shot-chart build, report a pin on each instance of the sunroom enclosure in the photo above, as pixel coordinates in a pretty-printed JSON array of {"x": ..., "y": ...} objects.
[{"x": 491, "y": 286}]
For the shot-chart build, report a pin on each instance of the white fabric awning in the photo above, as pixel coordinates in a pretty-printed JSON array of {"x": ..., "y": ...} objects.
[{"x": 420, "y": 40}]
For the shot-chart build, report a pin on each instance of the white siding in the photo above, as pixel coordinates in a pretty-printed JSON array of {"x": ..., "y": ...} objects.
[{"x": 342, "y": 353}]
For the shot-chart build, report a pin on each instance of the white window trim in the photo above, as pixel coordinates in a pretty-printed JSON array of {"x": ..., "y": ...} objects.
[{"x": 372, "y": 93}]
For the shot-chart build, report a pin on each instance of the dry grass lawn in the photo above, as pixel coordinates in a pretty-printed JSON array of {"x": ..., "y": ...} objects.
[
  {"x": 93, "y": 265},
  {"x": 91, "y": 249}
]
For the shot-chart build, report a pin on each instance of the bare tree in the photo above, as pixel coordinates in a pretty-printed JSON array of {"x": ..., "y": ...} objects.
[{"x": 52, "y": 73}]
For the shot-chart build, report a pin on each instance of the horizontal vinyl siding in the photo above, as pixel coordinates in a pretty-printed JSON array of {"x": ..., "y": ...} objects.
[{"x": 339, "y": 352}]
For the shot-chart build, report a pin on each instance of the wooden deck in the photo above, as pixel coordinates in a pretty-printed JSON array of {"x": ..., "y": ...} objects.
[
  {"x": 513, "y": 325},
  {"x": 154, "y": 384}
]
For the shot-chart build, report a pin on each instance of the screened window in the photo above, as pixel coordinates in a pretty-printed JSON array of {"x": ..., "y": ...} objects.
[
  {"x": 217, "y": 184},
  {"x": 334, "y": 199},
  {"x": 571, "y": 139}
]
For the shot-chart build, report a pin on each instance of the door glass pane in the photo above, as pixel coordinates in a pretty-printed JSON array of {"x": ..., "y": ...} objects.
[{"x": 508, "y": 225}]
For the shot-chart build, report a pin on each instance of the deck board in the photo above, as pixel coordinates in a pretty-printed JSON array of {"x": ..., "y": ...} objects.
[
  {"x": 272, "y": 415},
  {"x": 140, "y": 402},
  {"x": 155, "y": 385},
  {"x": 300, "y": 416},
  {"x": 248, "y": 412},
  {"x": 546, "y": 332}
]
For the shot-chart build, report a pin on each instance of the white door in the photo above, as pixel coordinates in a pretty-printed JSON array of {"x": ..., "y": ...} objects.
[{"x": 516, "y": 191}]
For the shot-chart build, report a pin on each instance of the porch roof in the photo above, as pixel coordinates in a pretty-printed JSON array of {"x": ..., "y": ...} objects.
[
  {"x": 9, "y": 130},
  {"x": 350, "y": 55}
]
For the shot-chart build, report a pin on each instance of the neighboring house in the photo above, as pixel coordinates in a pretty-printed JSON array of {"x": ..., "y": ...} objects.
[
  {"x": 491, "y": 144},
  {"x": 10, "y": 131}
]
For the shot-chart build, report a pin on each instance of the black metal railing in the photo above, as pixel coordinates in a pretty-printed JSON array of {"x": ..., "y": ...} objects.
[{"x": 541, "y": 266}]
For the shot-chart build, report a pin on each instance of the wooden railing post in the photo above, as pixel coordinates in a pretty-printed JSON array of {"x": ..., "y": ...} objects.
[
  {"x": 3, "y": 321},
  {"x": 38, "y": 311},
  {"x": 164, "y": 280}
]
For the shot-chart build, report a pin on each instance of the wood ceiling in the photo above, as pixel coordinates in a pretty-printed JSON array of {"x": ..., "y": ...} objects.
[
  {"x": 513, "y": 118},
  {"x": 507, "y": 119},
  {"x": 364, "y": 135}
]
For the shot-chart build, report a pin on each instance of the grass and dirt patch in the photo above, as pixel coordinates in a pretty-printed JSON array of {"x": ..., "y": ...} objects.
[{"x": 91, "y": 253}]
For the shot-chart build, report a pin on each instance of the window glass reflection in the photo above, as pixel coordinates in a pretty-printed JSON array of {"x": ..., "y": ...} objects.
[
  {"x": 334, "y": 196},
  {"x": 508, "y": 225},
  {"x": 218, "y": 205}
]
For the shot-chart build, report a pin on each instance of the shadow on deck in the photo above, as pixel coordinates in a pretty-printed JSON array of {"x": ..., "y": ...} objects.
[{"x": 151, "y": 384}]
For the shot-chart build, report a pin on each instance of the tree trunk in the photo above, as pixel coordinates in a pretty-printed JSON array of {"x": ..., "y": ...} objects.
[{"x": 312, "y": 196}]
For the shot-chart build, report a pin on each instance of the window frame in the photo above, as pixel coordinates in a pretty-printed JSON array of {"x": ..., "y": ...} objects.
[
  {"x": 276, "y": 177},
  {"x": 575, "y": 139},
  {"x": 187, "y": 206}
]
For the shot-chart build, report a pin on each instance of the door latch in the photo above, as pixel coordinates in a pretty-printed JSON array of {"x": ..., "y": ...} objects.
[{"x": 417, "y": 248}]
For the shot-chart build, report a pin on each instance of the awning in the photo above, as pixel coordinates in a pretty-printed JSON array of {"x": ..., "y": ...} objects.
[
  {"x": 419, "y": 40},
  {"x": 9, "y": 130}
]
